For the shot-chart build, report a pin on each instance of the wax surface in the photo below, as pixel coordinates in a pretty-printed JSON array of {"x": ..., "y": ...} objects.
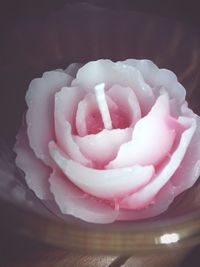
[{"x": 114, "y": 140}]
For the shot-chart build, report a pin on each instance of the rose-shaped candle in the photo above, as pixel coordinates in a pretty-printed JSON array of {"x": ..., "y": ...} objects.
[{"x": 109, "y": 141}]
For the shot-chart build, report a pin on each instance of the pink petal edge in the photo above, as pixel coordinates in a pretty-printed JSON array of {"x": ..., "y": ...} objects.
[
  {"x": 106, "y": 184},
  {"x": 66, "y": 102},
  {"x": 145, "y": 196},
  {"x": 189, "y": 170},
  {"x": 146, "y": 146},
  {"x": 73, "y": 201},
  {"x": 126, "y": 99},
  {"x": 163, "y": 199},
  {"x": 39, "y": 116},
  {"x": 103, "y": 146}
]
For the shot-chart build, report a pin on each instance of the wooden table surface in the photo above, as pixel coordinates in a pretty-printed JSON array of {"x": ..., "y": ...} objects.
[{"x": 16, "y": 251}]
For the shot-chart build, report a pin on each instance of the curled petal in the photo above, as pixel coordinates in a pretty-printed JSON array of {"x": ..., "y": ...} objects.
[
  {"x": 85, "y": 107},
  {"x": 110, "y": 73},
  {"x": 103, "y": 146},
  {"x": 81, "y": 115},
  {"x": 36, "y": 173},
  {"x": 145, "y": 196},
  {"x": 106, "y": 184},
  {"x": 147, "y": 146},
  {"x": 66, "y": 102},
  {"x": 189, "y": 170},
  {"x": 126, "y": 99},
  {"x": 88, "y": 116},
  {"x": 39, "y": 117},
  {"x": 163, "y": 199},
  {"x": 73, "y": 201}
]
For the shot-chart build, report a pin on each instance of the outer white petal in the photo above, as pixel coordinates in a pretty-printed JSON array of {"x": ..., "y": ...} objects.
[
  {"x": 66, "y": 102},
  {"x": 72, "y": 201},
  {"x": 189, "y": 170},
  {"x": 36, "y": 172},
  {"x": 40, "y": 119},
  {"x": 158, "y": 78},
  {"x": 145, "y": 196},
  {"x": 106, "y": 184}
]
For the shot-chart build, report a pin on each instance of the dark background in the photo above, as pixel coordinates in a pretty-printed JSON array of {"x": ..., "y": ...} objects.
[{"x": 36, "y": 36}]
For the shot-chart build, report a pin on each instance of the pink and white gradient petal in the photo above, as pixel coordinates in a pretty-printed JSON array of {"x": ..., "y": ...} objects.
[
  {"x": 142, "y": 198},
  {"x": 103, "y": 146},
  {"x": 106, "y": 184},
  {"x": 189, "y": 170},
  {"x": 146, "y": 146},
  {"x": 81, "y": 115},
  {"x": 162, "y": 201},
  {"x": 39, "y": 116},
  {"x": 126, "y": 99},
  {"x": 88, "y": 116},
  {"x": 66, "y": 102},
  {"x": 73, "y": 201}
]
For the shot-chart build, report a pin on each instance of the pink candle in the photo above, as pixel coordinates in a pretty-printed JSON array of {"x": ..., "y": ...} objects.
[{"x": 109, "y": 141}]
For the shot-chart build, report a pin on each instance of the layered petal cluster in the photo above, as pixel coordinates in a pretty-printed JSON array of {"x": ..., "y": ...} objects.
[{"x": 109, "y": 141}]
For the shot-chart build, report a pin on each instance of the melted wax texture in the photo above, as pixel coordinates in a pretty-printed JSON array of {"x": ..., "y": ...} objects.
[{"x": 109, "y": 140}]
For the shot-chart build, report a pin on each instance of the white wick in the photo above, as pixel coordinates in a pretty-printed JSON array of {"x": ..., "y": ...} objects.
[{"x": 102, "y": 104}]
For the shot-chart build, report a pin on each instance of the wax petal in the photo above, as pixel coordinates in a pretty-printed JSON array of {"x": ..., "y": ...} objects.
[
  {"x": 40, "y": 101},
  {"x": 85, "y": 106},
  {"x": 73, "y": 201},
  {"x": 88, "y": 117},
  {"x": 163, "y": 199},
  {"x": 189, "y": 170},
  {"x": 147, "y": 146},
  {"x": 66, "y": 102},
  {"x": 110, "y": 73},
  {"x": 103, "y": 146},
  {"x": 158, "y": 78},
  {"x": 145, "y": 196},
  {"x": 81, "y": 116},
  {"x": 126, "y": 99},
  {"x": 36, "y": 173},
  {"x": 73, "y": 68},
  {"x": 146, "y": 67},
  {"x": 106, "y": 184}
]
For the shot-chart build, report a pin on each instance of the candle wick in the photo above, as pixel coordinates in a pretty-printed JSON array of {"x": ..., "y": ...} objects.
[{"x": 103, "y": 106}]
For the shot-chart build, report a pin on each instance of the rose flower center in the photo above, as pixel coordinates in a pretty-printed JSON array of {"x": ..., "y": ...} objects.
[{"x": 105, "y": 116}]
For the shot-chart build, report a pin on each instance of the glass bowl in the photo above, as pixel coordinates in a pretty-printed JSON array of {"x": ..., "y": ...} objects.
[{"x": 41, "y": 37}]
